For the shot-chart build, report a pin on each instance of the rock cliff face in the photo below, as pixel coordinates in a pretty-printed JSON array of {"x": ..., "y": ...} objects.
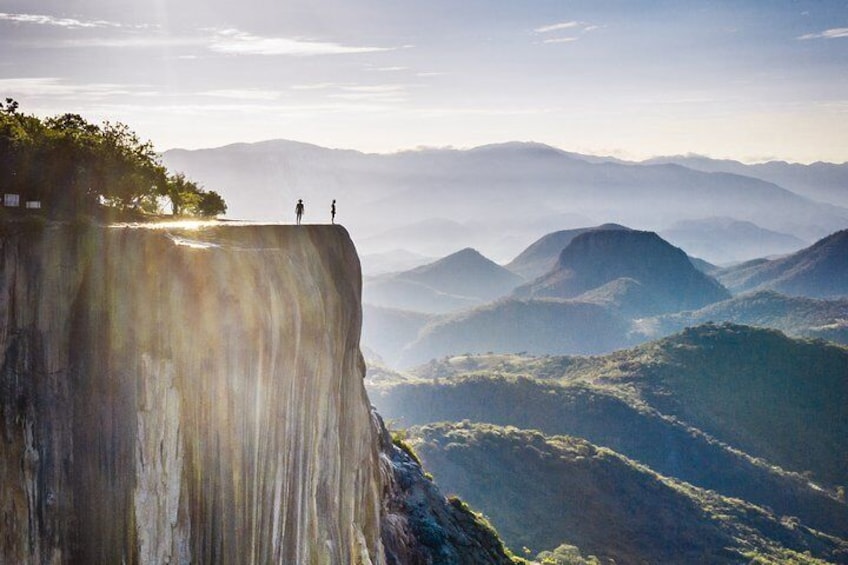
[{"x": 186, "y": 395}]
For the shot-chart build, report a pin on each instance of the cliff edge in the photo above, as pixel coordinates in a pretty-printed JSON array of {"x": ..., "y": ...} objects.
[{"x": 180, "y": 395}]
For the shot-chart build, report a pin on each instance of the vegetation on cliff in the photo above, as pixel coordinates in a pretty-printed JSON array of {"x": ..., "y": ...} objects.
[
  {"x": 74, "y": 167},
  {"x": 419, "y": 525}
]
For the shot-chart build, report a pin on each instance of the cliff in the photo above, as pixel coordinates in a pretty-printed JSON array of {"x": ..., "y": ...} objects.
[{"x": 188, "y": 395}]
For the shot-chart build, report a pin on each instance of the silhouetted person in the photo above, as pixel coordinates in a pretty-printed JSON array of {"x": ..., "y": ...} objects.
[
  {"x": 298, "y": 210},
  {"x": 333, "y": 212}
]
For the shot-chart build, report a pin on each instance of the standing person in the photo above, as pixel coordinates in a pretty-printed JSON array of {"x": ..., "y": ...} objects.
[
  {"x": 298, "y": 210},
  {"x": 333, "y": 212}
]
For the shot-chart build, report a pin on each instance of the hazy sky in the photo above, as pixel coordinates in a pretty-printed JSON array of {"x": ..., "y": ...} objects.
[{"x": 743, "y": 79}]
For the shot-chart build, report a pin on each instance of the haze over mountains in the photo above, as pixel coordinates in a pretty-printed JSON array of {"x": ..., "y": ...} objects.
[
  {"x": 500, "y": 196},
  {"x": 797, "y": 316},
  {"x": 460, "y": 280},
  {"x": 825, "y": 182},
  {"x": 725, "y": 240},
  {"x": 818, "y": 271},
  {"x": 609, "y": 288}
]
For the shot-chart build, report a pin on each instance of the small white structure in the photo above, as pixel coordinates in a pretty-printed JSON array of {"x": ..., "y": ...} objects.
[
  {"x": 11, "y": 200},
  {"x": 33, "y": 204}
]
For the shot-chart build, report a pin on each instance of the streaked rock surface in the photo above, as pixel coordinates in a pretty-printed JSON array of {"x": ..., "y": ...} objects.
[{"x": 185, "y": 395}]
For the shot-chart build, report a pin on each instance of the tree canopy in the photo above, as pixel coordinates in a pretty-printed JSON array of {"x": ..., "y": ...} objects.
[{"x": 75, "y": 167}]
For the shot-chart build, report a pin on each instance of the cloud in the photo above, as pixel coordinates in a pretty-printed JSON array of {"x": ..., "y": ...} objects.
[
  {"x": 375, "y": 88},
  {"x": 235, "y": 42},
  {"x": 557, "y": 27},
  {"x": 56, "y": 87},
  {"x": 316, "y": 86},
  {"x": 443, "y": 112},
  {"x": 67, "y": 23},
  {"x": 255, "y": 109},
  {"x": 575, "y": 27},
  {"x": 243, "y": 94},
  {"x": 832, "y": 33},
  {"x": 134, "y": 42},
  {"x": 375, "y": 92}
]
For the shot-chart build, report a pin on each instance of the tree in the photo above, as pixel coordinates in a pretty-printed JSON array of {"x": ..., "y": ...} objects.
[
  {"x": 211, "y": 204},
  {"x": 188, "y": 198},
  {"x": 79, "y": 167},
  {"x": 11, "y": 106}
]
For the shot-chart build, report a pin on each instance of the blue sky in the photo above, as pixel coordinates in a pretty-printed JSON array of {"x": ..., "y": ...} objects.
[{"x": 744, "y": 80}]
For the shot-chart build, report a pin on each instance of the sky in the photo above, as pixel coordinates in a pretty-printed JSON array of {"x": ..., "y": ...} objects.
[{"x": 747, "y": 80}]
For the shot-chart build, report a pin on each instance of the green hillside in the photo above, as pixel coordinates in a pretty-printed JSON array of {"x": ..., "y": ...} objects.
[
  {"x": 746, "y": 412},
  {"x": 772, "y": 396},
  {"x": 605, "y": 418},
  {"x": 543, "y": 491}
]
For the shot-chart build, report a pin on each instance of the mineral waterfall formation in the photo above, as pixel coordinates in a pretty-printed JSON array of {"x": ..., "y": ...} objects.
[{"x": 175, "y": 395}]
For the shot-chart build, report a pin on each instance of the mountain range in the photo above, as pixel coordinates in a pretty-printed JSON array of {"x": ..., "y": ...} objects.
[
  {"x": 797, "y": 316},
  {"x": 818, "y": 271},
  {"x": 643, "y": 288},
  {"x": 726, "y": 240},
  {"x": 538, "y": 326},
  {"x": 504, "y": 195},
  {"x": 461, "y": 280},
  {"x": 825, "y": 182}
]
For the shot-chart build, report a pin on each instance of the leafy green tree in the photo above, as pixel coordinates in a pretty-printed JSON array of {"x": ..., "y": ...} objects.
[
  {"x": 75, "y": 167},
  {"x": 211, "y": 204}
]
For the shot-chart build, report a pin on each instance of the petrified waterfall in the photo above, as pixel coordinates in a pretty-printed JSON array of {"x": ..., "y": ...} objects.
[{"x": 185, "y": 395}]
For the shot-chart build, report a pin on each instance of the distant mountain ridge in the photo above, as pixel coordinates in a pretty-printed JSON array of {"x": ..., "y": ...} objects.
[
  {"x": 460, "y": 280},
  {"x": 639, "y": 270},
  {"x": 621, "y": 312},
  {"x": 827, "y": 182},
  {"x": 542, "y": 255},
  {"x": 796, "y": 316},
  {"x": 726, "y": 240},
  {"x": 466, "y": 273},
  {"x": 510, "y": 325},
  {"x": 818, "y": 271},
  {"x": 504, "y": 194}
]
